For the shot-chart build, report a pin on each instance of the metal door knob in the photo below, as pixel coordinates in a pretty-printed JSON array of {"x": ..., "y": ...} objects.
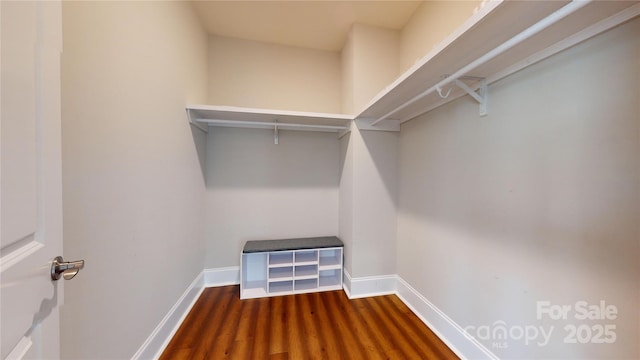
[{"x": 65, "y": 269}]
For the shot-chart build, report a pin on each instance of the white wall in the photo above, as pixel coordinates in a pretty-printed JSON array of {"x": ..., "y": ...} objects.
[
  {"x": 372, "y": 54},
  {"x": 538, "y": 201},
  {"x": 368, "y": 171},
  {"x": 347, "y": 62},
  {"x": 374, "y": 200},
  {"x": 133, "y": 185},
  {"x": 257, "y": 190},
  {"x": 261, "y": 75},
  {"x": 345, "y": 210},
  {"x": 368, "y": 202},
  {"x": 431, "y": 23}
]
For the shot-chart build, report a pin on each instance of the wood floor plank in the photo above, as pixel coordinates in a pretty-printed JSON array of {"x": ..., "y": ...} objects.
[
  {"x": 297, "y": 348},
  {"x": 278, "y": 320},
  {"x": 329, "y": 344},
  {"x": 325, "y": 325},
  {"x": 360, "y": 341},
  {"x": 261, "y": 337},
  {"x": 430, "y": 343},
  {"x": 191, "y": 335},
  {"x": 244, "y": 340},
  {"x": 388, "y": 337},
  {"x": 415, "y": 343},
  {"x": 310, "y": 332},
  {"x": 220, "y": 347},
  {"x": 340, "y": 323}
]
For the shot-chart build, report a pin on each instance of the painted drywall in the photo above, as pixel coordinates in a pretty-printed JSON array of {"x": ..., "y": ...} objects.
[
  {"x": 368, "y": 202},
  {"x": 538, "y": 201},
  {"x": 347, "y": 75},
  {"x": 345, "y": 210},
  {"x": 257, "y": 190},
  {"x": 133, "y": 184},
  {"x": 375, "y": 62},
  {"x": 374, "y": 202},
  {"x": 368, "y": 160},
  {"x": 261, "y": 75},
  {"x": 431, "y": 23}
]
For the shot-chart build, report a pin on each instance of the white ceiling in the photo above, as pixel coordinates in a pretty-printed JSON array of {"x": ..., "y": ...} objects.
[{"x": 312, "y": 24}]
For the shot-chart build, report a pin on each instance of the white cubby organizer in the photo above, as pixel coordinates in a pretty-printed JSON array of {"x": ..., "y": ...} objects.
[{"x": 290, "y": 266}]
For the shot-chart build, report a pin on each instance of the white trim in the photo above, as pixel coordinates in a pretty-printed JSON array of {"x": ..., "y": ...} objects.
[
  {"x": 8, "y": 260},
  {"x": 443, "y": 326},
  {"x": 346, "y": 282},
  {"x": 369, "y": 285},
  {"x": 155, "y": 344},
  {"x": 222, "y": 276},
  {"x": 21, "y": 348}
]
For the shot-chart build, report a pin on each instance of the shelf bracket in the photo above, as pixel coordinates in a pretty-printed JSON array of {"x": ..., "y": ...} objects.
[
  {"x": 482, "y": 96},
  {"x": 193, "y": 122},
  {"x": 346, "y": 130},
  {"x": 385, "y": 125},
  {"x": 276, "y": 138}
]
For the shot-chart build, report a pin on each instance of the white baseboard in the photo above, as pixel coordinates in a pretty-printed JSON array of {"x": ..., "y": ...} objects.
[
  {"x": 346, "y": 282},
  {"x": 222, "y": 276},
  {"x": 443, "y": 326},
  {"x": 162, "y": 334},
  {"x": 369, "y": 285}
]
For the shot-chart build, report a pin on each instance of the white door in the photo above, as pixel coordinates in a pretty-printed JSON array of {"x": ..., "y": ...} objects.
[{"x": 30, "y": 178}]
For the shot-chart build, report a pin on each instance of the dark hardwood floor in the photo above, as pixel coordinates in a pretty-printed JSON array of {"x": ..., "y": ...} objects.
[{"x": 324, "y": 325}]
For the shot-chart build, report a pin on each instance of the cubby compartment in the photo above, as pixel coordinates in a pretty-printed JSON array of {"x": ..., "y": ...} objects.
[
  {"x": 281, "y": 287},
  {"x": 281, "y": 258},
  {"x": 331, "y": 258},
  {"x": 330, "y": 279},
  {"x": 254, "y": 275},
  {"x": 281, "y": 273},
  {"x": 306, "y": 257},
  {"x": 306, "y": 271},
  {"x": 306, "y": 285}
]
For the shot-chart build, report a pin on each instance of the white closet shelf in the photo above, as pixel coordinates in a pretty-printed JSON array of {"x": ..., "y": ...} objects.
[
  {"x": 501, "y": 38},
  {"x": 204, "y": 116}
]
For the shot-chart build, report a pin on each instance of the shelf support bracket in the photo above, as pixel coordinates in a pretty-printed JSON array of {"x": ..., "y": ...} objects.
[
  {"x": 346, "y": 130},
  {"x": 276, "y": 138},
  {"x": 482, "y": 96},
  {"x": 385, "y": 125},
  {"x": 192, "y": 121}
]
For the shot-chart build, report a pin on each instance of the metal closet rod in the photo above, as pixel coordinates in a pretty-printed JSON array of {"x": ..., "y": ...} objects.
[
  {"x": 525, "y": 34},
  {"x": 272, "y": 124}
]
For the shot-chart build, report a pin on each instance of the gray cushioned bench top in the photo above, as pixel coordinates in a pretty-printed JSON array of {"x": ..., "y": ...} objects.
[{"x": 253, "y": 246}]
